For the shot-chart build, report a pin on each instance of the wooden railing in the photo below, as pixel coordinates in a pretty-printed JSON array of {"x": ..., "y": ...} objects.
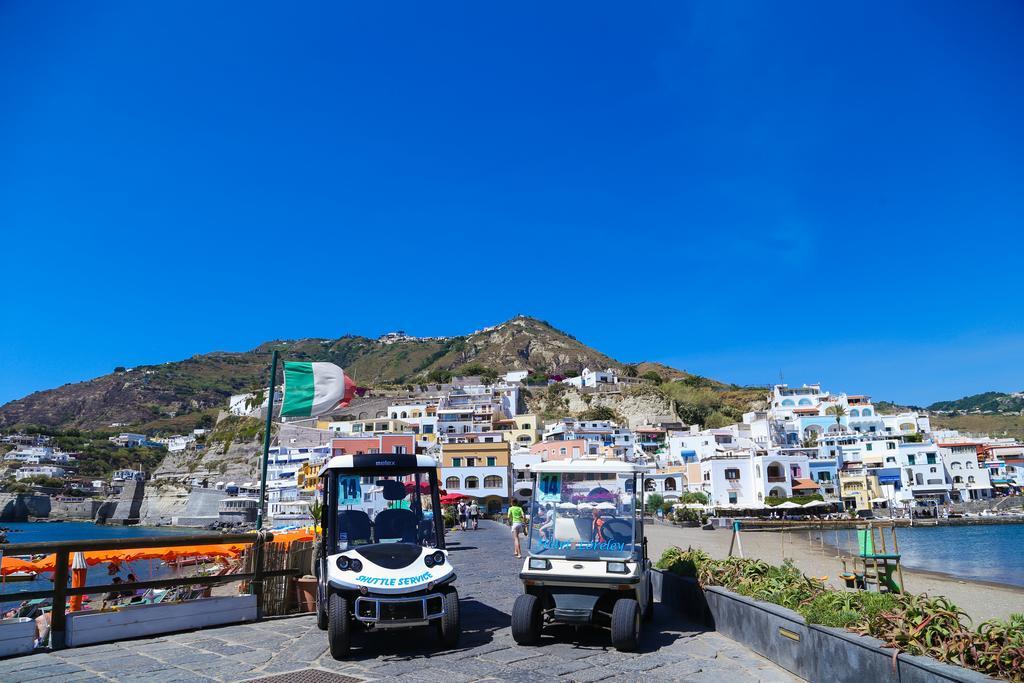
[{"x": 64, "y": 550}]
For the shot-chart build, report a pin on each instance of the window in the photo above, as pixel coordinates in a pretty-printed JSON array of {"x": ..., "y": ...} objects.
[
  {"x": 970, "y": 479},
  {"x": 492, "y": 461},
  {"x": 472, "y": 483},
  {"x": 399, "y": 450},
  {"x": 451, "y": 483},
  {"x": 492, "y": 482},
  {"x": 970, "y": 465},
  {"x": 470, "y": 462},
  {"x": 890, "y": 446},
  {"x": 456, "y": 462},
  {"x": 670, "y": 484},
  {"x": 912, "y": 459},
  {"x": 732, "y": 474},
  {"x": 561, "y": 451},
  {"x": 732, "y": 499}
]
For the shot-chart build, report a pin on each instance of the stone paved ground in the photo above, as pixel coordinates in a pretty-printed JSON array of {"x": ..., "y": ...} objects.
[{"x": 672, "y": 650}]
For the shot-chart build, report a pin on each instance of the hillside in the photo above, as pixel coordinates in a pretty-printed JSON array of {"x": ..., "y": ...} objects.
[
  {"x": 177, "y": 395},
  {"x": 993, "y": 402}
]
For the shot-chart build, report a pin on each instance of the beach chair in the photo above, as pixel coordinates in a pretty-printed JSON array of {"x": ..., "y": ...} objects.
[{"x": 878, "y": 567}]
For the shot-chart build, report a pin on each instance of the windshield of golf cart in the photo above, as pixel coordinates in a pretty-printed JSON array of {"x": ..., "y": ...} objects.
[
  {"x": 583, "y": 516},
  {"x": 365, "y": 508}
]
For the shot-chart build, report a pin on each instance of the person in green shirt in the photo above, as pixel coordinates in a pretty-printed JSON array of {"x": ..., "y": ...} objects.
[{"x": 517, "y": 518}]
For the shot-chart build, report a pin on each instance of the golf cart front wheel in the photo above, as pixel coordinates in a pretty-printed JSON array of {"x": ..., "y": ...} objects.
[
  {"x": 339, "y": 628},
  {"x": 448, "y": 626},
  {"x": 625, "y": 625},
  {"x": 527, "y": 619}
]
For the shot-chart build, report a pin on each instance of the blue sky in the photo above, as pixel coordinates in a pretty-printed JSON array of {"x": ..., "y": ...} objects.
[{"x": 739, "y": 189}]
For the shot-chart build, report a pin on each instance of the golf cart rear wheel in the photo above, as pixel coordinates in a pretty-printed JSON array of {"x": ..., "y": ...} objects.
[
  {"x": 448, "y": 626},
  {"x": 339, "y": 629},
  {"x": 322, "y": 619},
  {"x": 625, "y": 625},
  {"x": 527, "y": 619}
]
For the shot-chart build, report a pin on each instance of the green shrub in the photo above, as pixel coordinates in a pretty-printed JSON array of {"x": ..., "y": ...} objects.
[
  {"x": 843, "y": 609},
  {"x": 682, "y": 562}
]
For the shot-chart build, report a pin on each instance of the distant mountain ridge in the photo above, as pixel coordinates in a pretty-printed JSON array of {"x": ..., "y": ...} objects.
[
  {"x": 995, "y": 402},
  {"x": 148, "y": 394}
]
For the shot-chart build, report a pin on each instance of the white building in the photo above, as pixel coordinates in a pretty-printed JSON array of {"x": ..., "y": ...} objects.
[
  {"x": 128, "y": 440},
  {"x": 593, "y": 378},
  {"x": 618, "y": 441},
  {"x": 516, "y": 376},
  {"x": 968, "y": 479},
  {"x": 39, "y": 471}
]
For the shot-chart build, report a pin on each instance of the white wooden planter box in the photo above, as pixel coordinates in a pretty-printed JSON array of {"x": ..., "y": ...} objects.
[
  {"x": 17, "y": 635},
  {"x": 86, "y": 628}
]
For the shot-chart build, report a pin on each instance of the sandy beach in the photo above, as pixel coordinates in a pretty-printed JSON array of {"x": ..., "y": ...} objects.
[{"x": 980, "y": 600}]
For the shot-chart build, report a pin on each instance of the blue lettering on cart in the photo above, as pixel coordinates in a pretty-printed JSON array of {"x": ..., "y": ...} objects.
[
  {"x": 555, "y": 544},
  {"x": 381, "y": 581}
]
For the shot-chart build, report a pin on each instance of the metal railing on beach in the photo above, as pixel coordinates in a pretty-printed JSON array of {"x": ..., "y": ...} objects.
[{"x": 63, "y": 550}]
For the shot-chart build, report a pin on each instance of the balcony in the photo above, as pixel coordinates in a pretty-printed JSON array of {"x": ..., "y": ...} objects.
[{"x": 777, "y": 479}]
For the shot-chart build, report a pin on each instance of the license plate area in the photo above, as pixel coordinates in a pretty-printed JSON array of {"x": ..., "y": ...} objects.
[{"x": 392, "y": 610}]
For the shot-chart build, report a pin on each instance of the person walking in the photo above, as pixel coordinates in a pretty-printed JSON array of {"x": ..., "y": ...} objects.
[
  {"x": 462, "y": 515},
  {"x": 517, "y": 518},
  {"x": 474, "y": 514}
]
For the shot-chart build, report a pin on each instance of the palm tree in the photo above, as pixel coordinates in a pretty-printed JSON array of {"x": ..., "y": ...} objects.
[
  {"x": 839, "y": 412},
  {"x": 810, "y": 440}
]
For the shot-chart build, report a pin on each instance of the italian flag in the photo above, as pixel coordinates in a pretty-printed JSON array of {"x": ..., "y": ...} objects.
[{"x": 311, "y": 389}]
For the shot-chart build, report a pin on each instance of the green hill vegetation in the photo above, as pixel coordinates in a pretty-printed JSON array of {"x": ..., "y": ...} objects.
[
  {"x": 178, "y": 396},
  {"x": 995, "y": 402}
]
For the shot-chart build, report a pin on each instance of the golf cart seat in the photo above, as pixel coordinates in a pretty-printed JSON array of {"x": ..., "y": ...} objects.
[
  {"x": 572, "y": 529},
  {"x": 355, "y": 524},
  {"x": 617, "y": 530},
  {"x": 395, "y": 523}
]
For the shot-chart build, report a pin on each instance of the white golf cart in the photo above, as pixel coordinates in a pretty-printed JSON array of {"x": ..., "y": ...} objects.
[
  {"x": 383, "y": 563},
  {"x": 587, "y": 557}
]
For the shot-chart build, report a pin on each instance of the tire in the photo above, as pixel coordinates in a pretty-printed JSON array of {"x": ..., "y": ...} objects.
[
  {"x": 339, "y": 629},
  {"x": 322, "y": 620},
  {"x": 625, "y": 625},
  {"x": 527, "y": 619},
  {"x": 449, "y": 627},
  {"x": 648, "y": 614}
]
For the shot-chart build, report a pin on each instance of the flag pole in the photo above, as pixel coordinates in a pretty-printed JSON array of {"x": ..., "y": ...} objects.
[{"x": 266, "y": 442}]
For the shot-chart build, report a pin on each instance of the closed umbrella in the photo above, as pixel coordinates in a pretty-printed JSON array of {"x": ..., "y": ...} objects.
[{"x": 78, "y": 571}]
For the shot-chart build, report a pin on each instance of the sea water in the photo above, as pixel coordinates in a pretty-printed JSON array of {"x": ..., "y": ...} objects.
[
  {"x": 980, "y": 552},
  {"x": 35, "y": 532}
]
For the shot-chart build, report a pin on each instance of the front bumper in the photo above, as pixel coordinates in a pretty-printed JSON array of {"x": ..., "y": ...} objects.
[
  {"x": 399, "y": 611},
  {"x": 562, "y": 579}
]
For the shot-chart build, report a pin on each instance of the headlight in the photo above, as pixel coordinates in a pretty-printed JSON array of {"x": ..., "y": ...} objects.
[
  {"x": 438, "y": 557},
  {"x": 429, "y": 560},
  {"x": 539, "y": 563},
  {"x": 344, "y": 563},
  {"x": 357, "y": 566},
  {"x": 618, "y": 568}
]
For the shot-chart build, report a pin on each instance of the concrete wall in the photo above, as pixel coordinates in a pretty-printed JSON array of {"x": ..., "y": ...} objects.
[
  {"x": 129, "y": 505},
  {"x": 18, "y": 507}
]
